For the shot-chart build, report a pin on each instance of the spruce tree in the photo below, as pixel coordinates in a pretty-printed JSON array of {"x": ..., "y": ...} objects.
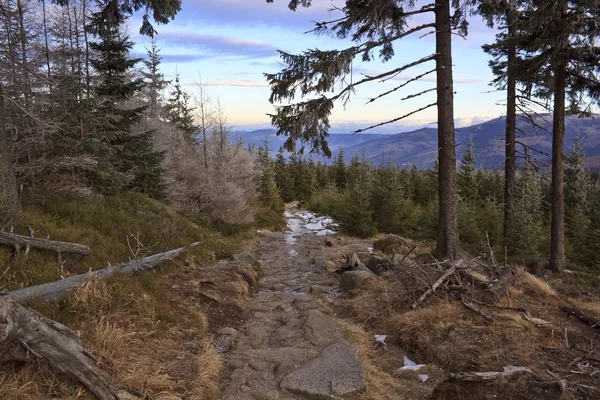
[
  {"x": 179, "y": 112},
  {"x": 267, "y": 187},
  {"x": 322, "y": 175},
  {"x": 528, "y": 224},
  {"x": 357, "y": 216},
  {"x": 155, "y": 79},
  {"x": 577, "y": 199},
  {"x": 126, "y": 160},
  {"x": 557, "y": 43},
  {"x": 338, "y": 172},
  {"x": 467, "y": 183},
  {"x": 284, "y": 178}
]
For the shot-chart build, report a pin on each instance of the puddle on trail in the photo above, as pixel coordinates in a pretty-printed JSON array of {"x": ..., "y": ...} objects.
[{"x": 303, "y": 222}]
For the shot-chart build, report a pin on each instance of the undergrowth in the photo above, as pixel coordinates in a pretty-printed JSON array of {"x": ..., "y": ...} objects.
[{"x": 147, "y": 330}]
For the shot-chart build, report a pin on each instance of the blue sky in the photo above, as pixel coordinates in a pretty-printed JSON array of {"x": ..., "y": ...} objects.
[{"x": 229, "y": 44}]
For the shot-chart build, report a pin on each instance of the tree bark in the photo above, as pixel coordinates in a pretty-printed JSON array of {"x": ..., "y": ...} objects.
[
  {"x": 557, "y": 233},
  {"x": 447, "y": 240},
  {"x": 510, "y": 166},
  {"x": 9, "y": 190}
]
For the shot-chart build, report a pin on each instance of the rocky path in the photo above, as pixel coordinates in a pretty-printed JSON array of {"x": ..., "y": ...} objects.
[{"x": 291, "y": 348}]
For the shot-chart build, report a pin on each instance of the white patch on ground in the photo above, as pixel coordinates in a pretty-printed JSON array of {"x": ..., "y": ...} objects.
[
  {"x": 293, "y": 253},
  {"x": 423, "y": 377},
  {"x": 381, "y": 339},
  {"x": 302, "y": 222},
  {"x": 410, "y": 365},
  {"x": 370, "y": 249}
]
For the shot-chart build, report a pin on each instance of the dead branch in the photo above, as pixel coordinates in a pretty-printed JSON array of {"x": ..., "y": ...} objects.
[
  {"x": 437, "y": 283},
  {"x": 396, "y": 119},
  {"x": 58, "y": 290},
  {"x": 476, "y": 311},
  {"x": 582, "y": 316}
]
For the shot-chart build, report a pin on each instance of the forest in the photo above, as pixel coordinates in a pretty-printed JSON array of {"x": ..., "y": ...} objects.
[{"x": 111, "y": 169}]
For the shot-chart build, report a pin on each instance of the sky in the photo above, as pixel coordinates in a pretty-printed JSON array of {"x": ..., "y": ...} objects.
[{"x": 228, "y": 45}]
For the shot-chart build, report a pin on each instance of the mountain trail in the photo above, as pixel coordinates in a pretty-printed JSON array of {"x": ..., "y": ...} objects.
[{"x": 291, "y": 347}]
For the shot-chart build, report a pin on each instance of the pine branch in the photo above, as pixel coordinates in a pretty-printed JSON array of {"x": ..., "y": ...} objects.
[
  {"x": 396, "y": 119},
  {"x": 400, "y": 86},
  {"x": 393, "y": 72}
]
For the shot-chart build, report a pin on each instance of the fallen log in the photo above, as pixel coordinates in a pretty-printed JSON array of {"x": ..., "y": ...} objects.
[
  {"x": 58, "y": 290},
  {"x": 488, "y": 376},
  {"x": 582, "y": 316},
  {"x": 559, "y": 385},
  {"x": 27, "y": 335},
  {"x": 20, "y": 241}
]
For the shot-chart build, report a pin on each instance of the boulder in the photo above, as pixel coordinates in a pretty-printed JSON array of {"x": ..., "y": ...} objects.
[
  {"x": 352, "y": 280},
  {"x": 334, "y": 373}
]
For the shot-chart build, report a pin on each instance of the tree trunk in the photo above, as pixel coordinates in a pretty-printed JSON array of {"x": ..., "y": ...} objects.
[
  {"x": 58, "y": 290},
  {"x": 87, "y": 49},
  {"x": 511, "y": 127},
  {"x": 9, "y": 190},
  {"x": 557, "y": 234},
  {"x": 447, "y": 240},
  {"x": 19, "y": 241},
  {"x": 26, "y": 335},
  {"x": 23, "y": 43},
  {"x": 47, "y": 47}
]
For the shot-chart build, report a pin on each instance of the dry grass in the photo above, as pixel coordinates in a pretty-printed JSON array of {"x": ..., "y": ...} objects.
[
  {"x": 533, "y": 284},
  {"x": 208, "y": 369},
  {"x": 149, "y": 331},
  {"x": 37, "y": 382},
  {"x": 381, "y": 384}
]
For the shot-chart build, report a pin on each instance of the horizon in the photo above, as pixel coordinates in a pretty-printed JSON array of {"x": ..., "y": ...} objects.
[{"x": 405, "y": 129}]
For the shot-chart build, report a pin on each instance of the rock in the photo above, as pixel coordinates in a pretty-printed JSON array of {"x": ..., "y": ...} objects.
[
  {"x": 316, "y": 277},
  {"x": 351, "y": 280},
  {"x": 330, "y": 266},
  {"x": 334, "y": 373},
  {"x": 285, "y": 358},
  {"x": 377, "y": 264},
  {"x": 228, "y": 331},
  {"x": 317, "y": 290},
  {"x": 278, "y": 287},
  {"x": 303, "y": 298},
  {"x": 320, "y": 330}
]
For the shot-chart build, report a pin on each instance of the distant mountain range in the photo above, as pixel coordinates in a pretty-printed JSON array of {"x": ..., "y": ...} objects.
[{"x": 420, "y": 146}]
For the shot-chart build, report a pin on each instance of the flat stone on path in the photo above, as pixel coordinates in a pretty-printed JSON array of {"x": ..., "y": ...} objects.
[
  {"x": 335, "y": 372},
  {"x": 320, "y": 330}
]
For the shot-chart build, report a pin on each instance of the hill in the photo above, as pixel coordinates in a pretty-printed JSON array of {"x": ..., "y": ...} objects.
[{"x": 420, "y": 146}]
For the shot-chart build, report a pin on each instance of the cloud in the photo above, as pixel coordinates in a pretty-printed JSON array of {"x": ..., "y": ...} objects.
[
  {"x": 198, "y": 46},
  {"x": 254, "y": 13},
  {"x": 238, "y": 83}
]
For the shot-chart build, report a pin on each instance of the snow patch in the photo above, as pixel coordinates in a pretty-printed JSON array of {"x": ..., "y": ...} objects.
[{"x": 410, "y": 365}]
